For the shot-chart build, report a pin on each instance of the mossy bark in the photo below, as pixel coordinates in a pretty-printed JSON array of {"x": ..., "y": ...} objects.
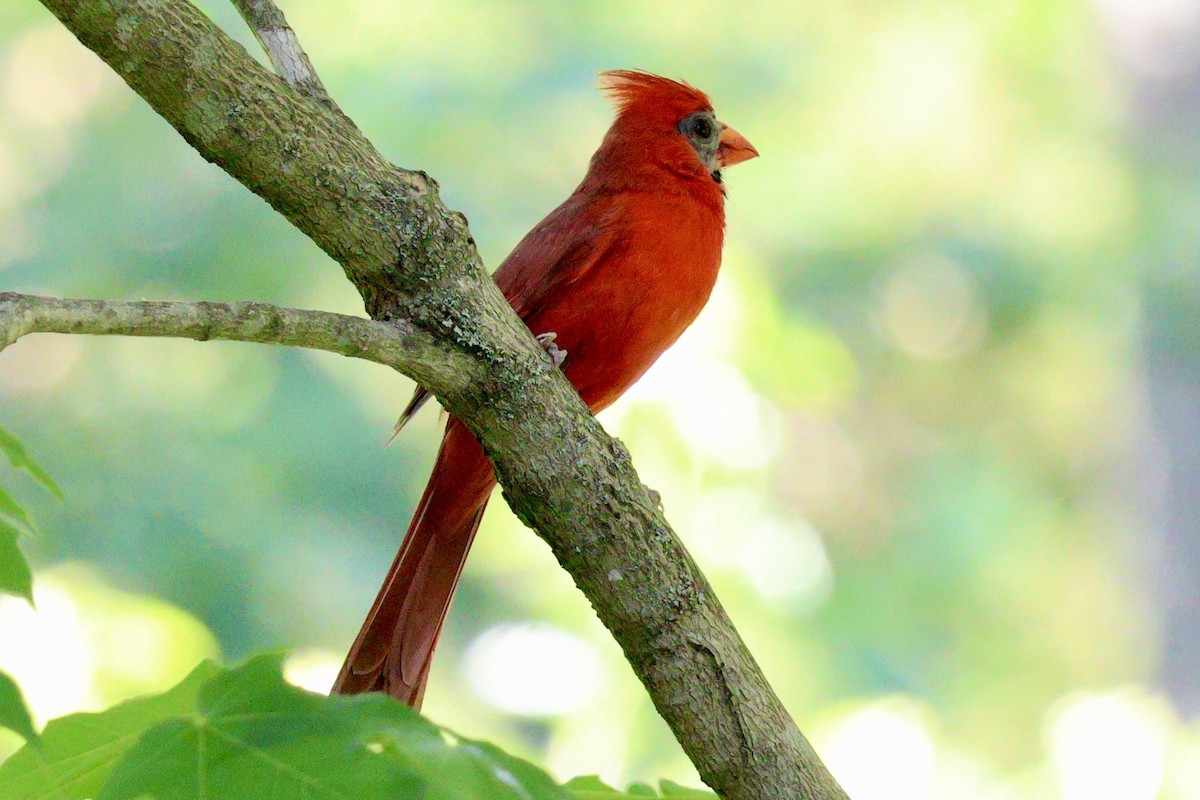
[{"x": 415, "y": 264}]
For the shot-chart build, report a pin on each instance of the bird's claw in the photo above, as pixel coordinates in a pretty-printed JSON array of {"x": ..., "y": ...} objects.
[{"x": 557, "y": 355}]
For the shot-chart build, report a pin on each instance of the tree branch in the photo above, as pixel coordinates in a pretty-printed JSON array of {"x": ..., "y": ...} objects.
[
  {"x": 283, "y": 48},
  {"x": 390, "y": 344},
  {"x": 414, "y": 263}
]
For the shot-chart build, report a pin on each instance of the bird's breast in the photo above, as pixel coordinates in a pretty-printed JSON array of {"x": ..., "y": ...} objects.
[{"x": 628, "y": 309}]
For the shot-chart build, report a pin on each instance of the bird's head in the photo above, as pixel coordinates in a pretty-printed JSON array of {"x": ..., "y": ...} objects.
[{"x": 672, "y": 123}]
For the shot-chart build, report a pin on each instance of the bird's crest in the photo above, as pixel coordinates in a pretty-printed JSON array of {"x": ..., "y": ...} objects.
[{"x": 630, "y": 89}]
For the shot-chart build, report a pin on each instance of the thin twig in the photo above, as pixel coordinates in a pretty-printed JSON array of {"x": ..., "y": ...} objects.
[
  {"x": 390, "y": 344},
  {"x": 282, "y": 46}
]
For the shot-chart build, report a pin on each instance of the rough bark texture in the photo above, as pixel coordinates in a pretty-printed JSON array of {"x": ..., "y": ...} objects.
[{"x": 415, "y": 265}]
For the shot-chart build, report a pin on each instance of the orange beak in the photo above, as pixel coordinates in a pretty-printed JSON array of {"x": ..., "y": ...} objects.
[{"x": 734, "y": 149}]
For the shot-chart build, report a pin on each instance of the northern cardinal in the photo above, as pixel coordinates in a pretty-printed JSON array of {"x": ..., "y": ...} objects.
[{"x": 609, "y": 280}]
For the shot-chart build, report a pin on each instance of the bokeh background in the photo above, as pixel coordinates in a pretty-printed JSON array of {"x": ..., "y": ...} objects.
[{"x": 936, "y": 440}]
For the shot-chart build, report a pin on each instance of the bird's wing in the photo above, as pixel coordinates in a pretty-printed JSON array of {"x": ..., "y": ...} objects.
[
  {"x": 559, "y": 251},
  {"x": 563, "y": 248}
]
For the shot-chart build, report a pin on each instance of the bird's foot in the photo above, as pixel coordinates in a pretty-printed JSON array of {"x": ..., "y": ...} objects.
[{"x": 557, "y": 355}]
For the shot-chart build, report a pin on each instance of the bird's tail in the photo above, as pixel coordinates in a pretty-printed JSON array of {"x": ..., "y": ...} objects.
[{"x": 394, "y": 649}]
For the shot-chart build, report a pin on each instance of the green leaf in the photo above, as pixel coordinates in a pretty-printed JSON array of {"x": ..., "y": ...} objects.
[
  {"x": 12, "y": 447},
  {"x": 15, "y": 577},
  {"x": 673, "y": 789},
  {"x": 14, "y": 714},
  {"x": 77, "y": 752},
  {"x": 590, "y": 787},
  {"x": 254, "y": 735},
  {"x": 11, "y": 508},
  {"x": 462, "y": 768},
  {"x": 247, "y": 733}
]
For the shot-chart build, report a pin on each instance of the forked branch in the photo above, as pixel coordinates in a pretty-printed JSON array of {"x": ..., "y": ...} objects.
[{"x": 283, "y": 48}]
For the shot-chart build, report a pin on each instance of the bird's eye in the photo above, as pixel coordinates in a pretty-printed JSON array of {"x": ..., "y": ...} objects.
[{"x": 702, "y": 128}]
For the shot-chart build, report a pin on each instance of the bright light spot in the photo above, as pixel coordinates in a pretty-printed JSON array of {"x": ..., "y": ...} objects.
[
  {"x": 596, "y": 742},
  {"x": 39, "y": 362},
  {"x": 140, "y": 638},
  {"x": 931, "y": 309},
  {"x": 314, "y": 670},
  {"x": 784, "y": 560},
  {"x": 1109, "y": 746},
  {"x": 881, "y": 752},
  {"x": 88, "y": 646},
  {"x": 713, "y": 407},
  {"x": 140, "y": 644},
  {"x": 1153, "y": 12},
  {"x": 47, "y": 651},
  {"x": 1183, "y": 770},
  {"x": 51, "y": 80},
  {"x": 923, "y": 82},
  {"x": 1156, "y": 37},
  {"x": 533, "y": 669},
  {"x": 723, "y": 417}
]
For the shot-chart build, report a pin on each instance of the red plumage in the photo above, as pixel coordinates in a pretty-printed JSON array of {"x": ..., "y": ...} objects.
[{"x": 618, "y": 271}]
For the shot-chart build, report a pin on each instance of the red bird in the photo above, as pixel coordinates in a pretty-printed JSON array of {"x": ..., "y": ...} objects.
[{"x": 613, "y": 276}]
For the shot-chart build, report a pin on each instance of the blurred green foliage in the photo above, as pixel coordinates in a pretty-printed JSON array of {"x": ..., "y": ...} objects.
[
  {"x": 15, "y": 575},
  {"x": 912, "y": 441}
]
